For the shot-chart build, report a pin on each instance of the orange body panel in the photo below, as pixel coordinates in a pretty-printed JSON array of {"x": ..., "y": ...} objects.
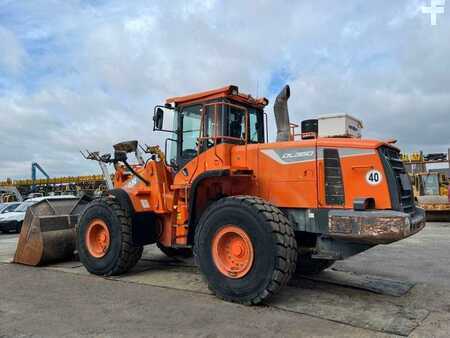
[
  {"x": 280, "y": 179},
  {"x": 355, "y": 184},
  {"x": 156, "y": 196},
  {"x": 287, "y": 185},
  {"x": 354, "y": 169}
]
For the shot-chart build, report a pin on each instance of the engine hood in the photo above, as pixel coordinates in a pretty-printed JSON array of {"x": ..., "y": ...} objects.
[{"x": 353, "y": 143}]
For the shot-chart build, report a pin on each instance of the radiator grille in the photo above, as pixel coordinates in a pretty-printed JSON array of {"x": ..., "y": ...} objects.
[
  {"x": 402, "y": 196},
  {"x": 334, "y": 189}
]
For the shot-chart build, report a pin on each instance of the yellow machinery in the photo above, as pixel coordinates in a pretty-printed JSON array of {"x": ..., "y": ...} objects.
[
  {"x": 430, "y": 188},
  {"x": 91, "y": 184}
]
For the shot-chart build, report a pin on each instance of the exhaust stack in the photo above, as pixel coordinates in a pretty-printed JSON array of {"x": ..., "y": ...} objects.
[{"x": 281, "y": 112}]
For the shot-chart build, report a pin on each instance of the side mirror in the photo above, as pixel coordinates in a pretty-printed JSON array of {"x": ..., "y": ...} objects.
[{"x": 158, "y": 118}]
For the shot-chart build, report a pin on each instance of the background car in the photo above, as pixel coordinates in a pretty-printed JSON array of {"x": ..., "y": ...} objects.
[
  {"x": 8, "y": 207},
  {"x": 12, "y": 221}
]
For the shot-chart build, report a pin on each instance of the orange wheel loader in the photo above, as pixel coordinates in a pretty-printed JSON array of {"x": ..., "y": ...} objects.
[{"x": 252, "y": 212}]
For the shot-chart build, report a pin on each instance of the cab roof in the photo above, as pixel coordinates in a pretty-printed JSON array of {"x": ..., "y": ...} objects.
[{"x": 229, "y": 91}]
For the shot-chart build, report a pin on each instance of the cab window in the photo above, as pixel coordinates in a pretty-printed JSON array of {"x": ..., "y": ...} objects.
[
  {"x": 224, "y": 123},
  {"x": 191, "y": 130},
  {"x": 189, "y": 121},
  {"x": 213, "y": 120},
  {"x": 236, "y": 122},
  {"x": 256, "y": 126}
]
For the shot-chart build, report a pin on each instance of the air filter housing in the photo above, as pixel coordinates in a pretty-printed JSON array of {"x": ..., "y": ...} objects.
[{"x": 340, "y": 125}]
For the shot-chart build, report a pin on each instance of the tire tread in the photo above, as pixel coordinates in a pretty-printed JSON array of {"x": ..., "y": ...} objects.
[
  {"x": 129, "y": 253},
  {"x": 283, "y": 235}
]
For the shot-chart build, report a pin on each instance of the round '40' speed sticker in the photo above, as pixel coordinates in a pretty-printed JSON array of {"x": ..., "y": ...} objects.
[{"x": 373, "y": 177}]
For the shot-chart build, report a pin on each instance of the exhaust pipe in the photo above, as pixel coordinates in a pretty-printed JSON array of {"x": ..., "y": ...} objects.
[{"x": 281, "y": 112}]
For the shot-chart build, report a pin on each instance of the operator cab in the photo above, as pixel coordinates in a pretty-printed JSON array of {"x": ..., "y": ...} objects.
[{"x": 203, "y": 120}]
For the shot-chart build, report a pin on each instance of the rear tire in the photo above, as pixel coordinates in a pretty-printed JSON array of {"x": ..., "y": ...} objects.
[
  {"x": 310, "y": 266},
  {"x": 120, "y": 255},
  {"x": 263, "y": 259}
]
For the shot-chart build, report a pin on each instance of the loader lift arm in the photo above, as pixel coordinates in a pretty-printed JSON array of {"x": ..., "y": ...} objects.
[
  {"x": 102, "y": 161},
  {"x": 120, "y": 155}
]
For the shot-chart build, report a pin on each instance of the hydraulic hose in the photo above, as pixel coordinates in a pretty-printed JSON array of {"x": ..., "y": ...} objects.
[{"x": 135, "y": 173}]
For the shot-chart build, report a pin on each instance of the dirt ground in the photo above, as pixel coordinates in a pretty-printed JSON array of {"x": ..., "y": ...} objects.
[{"x": 402, "y": 289}]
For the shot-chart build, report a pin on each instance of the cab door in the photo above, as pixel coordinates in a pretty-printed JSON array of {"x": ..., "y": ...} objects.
[{"x": 189, "y": 133}]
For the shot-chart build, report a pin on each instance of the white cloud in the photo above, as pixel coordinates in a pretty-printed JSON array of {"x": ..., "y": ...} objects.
[
  {"x": 12, "y": 55},
  {"x": 90, "y": 75}
]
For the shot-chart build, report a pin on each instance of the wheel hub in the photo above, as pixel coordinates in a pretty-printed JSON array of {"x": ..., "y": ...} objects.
[
  {"x": 232, "y": 251},
  {"x": 97, "y": 238}
]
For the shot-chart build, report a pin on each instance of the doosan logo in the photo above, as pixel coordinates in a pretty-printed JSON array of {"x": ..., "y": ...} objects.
[{"x": 297, "y": 154}]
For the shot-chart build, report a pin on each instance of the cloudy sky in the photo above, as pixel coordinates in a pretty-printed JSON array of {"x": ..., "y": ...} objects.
[{"x": 86, "y": 74}]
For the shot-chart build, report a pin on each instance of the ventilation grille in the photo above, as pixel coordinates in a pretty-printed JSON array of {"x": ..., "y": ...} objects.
[
  {"x": 402, "y": 199},
  {"x": 334, "y": 188}
]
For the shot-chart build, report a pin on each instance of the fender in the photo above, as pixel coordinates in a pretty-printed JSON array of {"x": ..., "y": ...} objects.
[
  {"x": 193, "y": 197},
  {"x": 144, "y": 230}
]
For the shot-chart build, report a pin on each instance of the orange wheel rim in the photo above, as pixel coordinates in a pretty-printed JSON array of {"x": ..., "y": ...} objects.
[
  {"x": 232, "y": 251},
  {"x": 97, "y": 238}
]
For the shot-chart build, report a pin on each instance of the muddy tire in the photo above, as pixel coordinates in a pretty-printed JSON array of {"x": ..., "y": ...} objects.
[
  {"x": 245, "y": 248},
  {"x": 175, "y": 252},
  {"x": 104, "y": 238},
  {"x": 309, "y": 266}
]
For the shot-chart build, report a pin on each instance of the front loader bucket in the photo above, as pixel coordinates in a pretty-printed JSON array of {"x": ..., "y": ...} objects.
[{"x": 48, "y": 231}]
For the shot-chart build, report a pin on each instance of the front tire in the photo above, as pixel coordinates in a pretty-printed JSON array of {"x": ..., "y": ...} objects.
[
  {"x": 104, "y": 238},
  {"x": 245, "y": 248}
]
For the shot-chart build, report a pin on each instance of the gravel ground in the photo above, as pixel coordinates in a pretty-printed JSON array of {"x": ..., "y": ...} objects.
[{"x": 166, "y": 298}]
